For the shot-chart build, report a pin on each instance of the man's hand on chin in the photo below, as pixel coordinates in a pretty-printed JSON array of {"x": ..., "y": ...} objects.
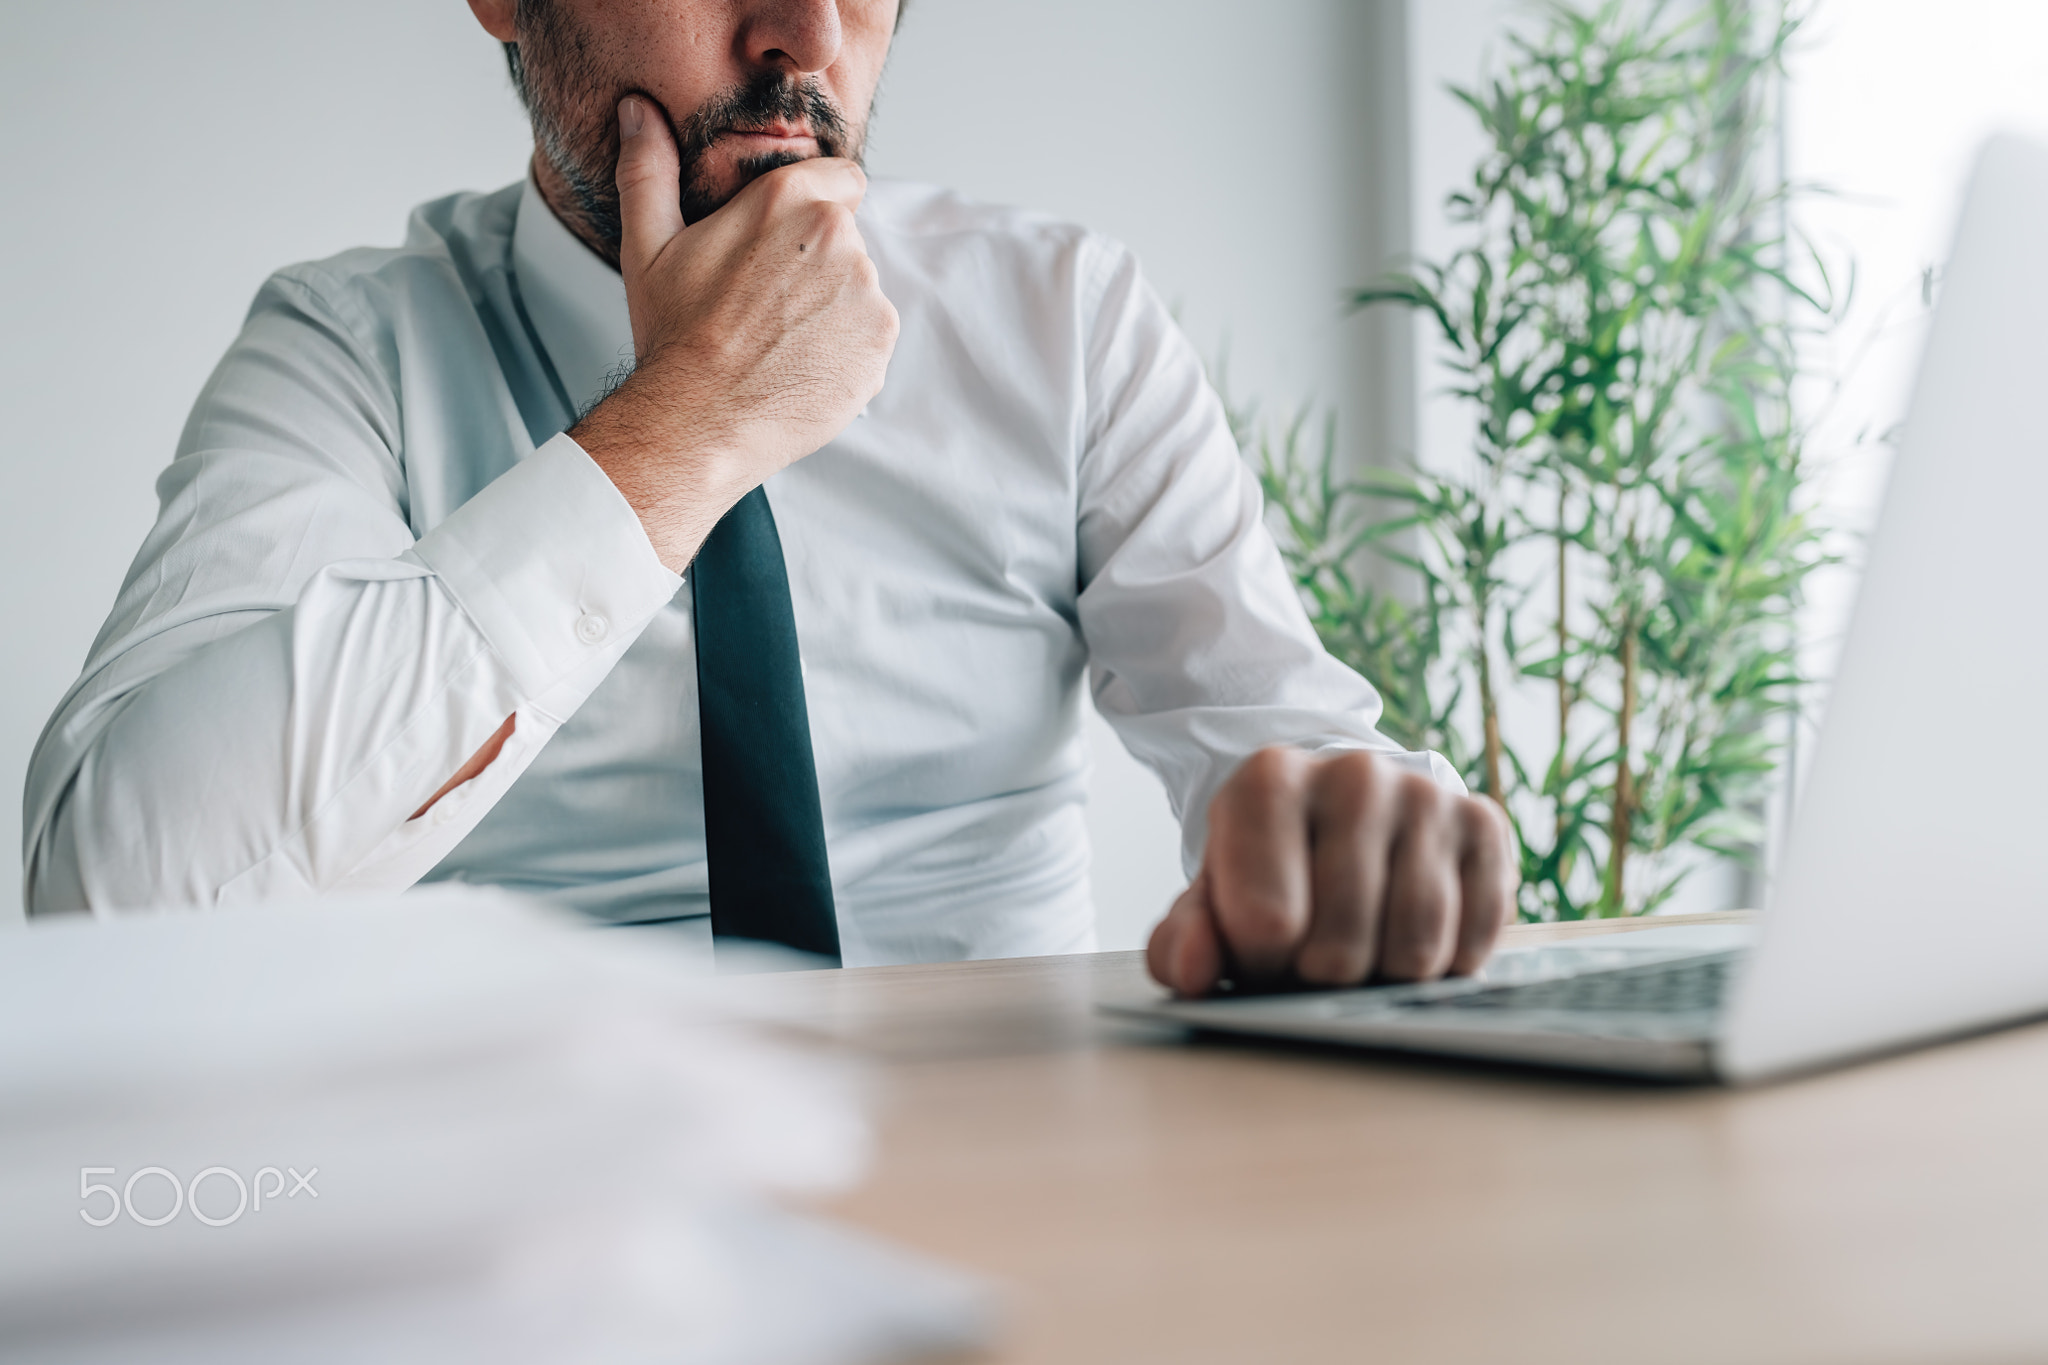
[
  {"x": 758, "y": 334},
  {"x": 1332, "y": 869}
]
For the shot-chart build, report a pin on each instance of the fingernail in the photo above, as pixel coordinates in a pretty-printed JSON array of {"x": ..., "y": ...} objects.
[{"x": 629, "y": 117}]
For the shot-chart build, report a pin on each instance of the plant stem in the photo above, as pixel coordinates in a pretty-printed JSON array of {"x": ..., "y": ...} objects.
[
  {"x": 1564, "y": 690},
  {"x": 1624, "y": 781},
  {"x": 1489, "y": 712}
]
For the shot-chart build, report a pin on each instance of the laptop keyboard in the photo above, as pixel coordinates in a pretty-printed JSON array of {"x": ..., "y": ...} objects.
[{"x": 1689, "y": 985}]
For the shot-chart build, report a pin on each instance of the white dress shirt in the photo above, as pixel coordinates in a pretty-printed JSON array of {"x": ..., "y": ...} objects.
[{"x": 376, "y": 543}]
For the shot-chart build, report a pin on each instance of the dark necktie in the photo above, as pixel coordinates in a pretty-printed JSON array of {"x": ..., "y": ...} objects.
[{"x": 763, "y": 832}]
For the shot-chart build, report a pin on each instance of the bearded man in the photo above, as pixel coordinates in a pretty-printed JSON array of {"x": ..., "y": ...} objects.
[{"x": 695, "y": 532}]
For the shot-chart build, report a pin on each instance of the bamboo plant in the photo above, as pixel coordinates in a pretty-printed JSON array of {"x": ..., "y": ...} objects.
[{"x": 1592, "y": 617}]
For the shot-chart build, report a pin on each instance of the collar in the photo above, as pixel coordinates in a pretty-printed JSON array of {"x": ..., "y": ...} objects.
[{"x": 576, "y": 301}]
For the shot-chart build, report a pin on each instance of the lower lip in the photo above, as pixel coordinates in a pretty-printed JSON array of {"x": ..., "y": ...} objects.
[{"x": 772, "y": 141}]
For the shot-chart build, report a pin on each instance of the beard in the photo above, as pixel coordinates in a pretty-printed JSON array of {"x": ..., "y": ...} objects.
[{"x": 574, "y": 107}]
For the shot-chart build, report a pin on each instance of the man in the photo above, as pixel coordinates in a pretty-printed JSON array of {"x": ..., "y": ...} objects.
[{"x": 696, "y": 532}]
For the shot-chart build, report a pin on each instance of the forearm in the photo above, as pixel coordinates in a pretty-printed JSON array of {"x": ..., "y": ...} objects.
[
  {"x": 280, "y": 759},
  {"x": 657, "y": 440},
  {"x": 290, "y": 750}
]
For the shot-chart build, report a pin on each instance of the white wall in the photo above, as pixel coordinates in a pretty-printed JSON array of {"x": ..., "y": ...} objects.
[
  {"x": 160, "y": 160},
  {"x": 1888, "y": 104},
  {"x": 1450, "y": 42}
]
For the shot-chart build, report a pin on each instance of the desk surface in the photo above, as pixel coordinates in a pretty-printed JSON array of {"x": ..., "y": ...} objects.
[{"x": 1146, "y": 1198}]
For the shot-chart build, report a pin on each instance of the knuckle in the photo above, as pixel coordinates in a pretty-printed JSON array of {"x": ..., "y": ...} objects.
[
  {"x": 828, "y": 227},
  {"x": 1268, "y": 775},
  {"x": 1477, "y": 941},
  {"x": 1334, "y": 961},
  {"x": 1257, "y": 920},
  {"x": 1418, "y": 935},
  {"x": 1486, "y": 825},
  {"x": 1421, "y": 795},
  {"x": 1347, "y": 784},
  {"x": 1429, "y": 910},
  {"x": 779, "y": 191},
  {"x": 1482, "y": 813},
  {"x": 1405, "y": 966}
]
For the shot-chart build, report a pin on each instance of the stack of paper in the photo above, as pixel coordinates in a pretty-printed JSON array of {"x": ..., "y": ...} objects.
[{"x": 447, "y": 1127}]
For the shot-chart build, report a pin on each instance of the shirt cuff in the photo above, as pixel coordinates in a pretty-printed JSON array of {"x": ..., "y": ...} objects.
[{"x": 551, "y": 563}]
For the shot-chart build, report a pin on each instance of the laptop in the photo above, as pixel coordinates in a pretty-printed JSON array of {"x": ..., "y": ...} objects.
[{"x": 1911, "y": 903}]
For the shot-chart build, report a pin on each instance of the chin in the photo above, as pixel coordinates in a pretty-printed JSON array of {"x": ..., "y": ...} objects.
[
  {"x": 753, "y": 167},
  {"x": 706, "y": 194}
]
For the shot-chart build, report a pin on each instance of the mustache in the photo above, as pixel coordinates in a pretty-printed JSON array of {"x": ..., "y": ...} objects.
[
  {"x": 769, "y": 97},
  {"x": 585, "y": 150}
]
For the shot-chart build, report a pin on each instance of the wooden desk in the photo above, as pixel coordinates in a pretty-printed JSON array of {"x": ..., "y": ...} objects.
[{"x": 1148, "y": 1199}]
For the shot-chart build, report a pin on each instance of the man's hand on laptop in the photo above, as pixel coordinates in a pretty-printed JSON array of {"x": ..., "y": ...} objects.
[
  {"x": 1333, "y": 869},
  {"x": 759, "y": 333}
]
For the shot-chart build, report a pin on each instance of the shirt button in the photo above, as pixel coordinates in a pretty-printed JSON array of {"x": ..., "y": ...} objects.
[{"x": 590, "y": 628}]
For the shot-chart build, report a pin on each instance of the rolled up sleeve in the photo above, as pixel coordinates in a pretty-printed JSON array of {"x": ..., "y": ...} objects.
[{"x": 289, "y": 673}]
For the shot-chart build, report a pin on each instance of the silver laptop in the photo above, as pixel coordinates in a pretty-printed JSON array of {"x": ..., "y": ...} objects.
[{"x": 1912, "y": 903}]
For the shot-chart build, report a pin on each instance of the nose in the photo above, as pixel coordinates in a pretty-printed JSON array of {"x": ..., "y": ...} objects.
[{"x": 800, "y": 37}]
